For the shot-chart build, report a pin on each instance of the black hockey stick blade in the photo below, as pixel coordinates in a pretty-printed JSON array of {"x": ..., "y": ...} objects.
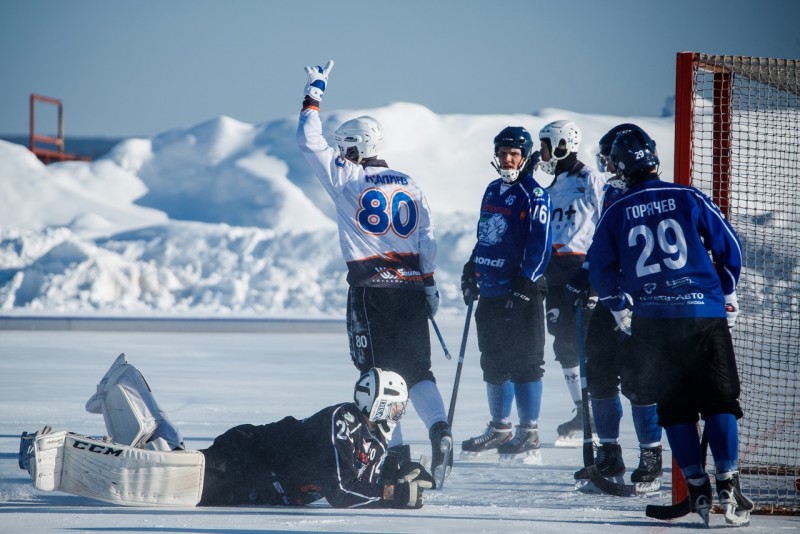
[
  {"x": 668, "y": 511},
  {"x": 609, "y": 487}
]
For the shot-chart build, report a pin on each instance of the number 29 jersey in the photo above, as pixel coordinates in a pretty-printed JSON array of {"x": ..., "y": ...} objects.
[
  {"x": 669, "y": 247},
  {"x": 385, "y": 227}
]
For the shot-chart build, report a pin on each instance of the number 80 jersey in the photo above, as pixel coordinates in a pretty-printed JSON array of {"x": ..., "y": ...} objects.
[
  {"x": 670, "y": 248},
  {"x": 385, "y": 227}
]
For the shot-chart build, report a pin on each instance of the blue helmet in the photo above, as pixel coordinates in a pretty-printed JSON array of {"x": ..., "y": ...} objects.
[
  {"x": 607, "y": 140},
  {"x": 514, "y": 137},
  {"x": 632, "y": 152}
]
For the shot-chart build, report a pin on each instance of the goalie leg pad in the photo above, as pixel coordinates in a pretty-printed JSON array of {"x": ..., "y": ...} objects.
[
  {"x": 130, "y": 410},
  {"x": 125, "y": 475}
]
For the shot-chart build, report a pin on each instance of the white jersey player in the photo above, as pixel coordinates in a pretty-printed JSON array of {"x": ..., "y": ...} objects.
[
  {"x": 386, "y": 237},
  {"x": 577, "y": 199}
]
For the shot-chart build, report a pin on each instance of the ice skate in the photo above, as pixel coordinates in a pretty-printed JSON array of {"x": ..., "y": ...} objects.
[
  {"x": 647, "y": 477},
  {"x": 523, "y": 447},
  {"x": 495, "y": 435},
  {"x": 441, "y": 452},
  {"x": 700, "y": 496},
  {"x": 735, "y": 504},
  {"x": 570, "y": 434},
  {"x": 609, "y": 464}
]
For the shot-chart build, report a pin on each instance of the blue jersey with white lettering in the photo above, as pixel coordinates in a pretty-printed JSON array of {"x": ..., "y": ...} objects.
[
  {"x": 514, "y": 236},
  {"x": 670, "y": 248}
]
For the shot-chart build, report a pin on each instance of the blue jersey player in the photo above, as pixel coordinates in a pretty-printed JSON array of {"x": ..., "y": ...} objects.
[
  {"x": 666, "y": 262},
  {"x": 506, "y": 268}
]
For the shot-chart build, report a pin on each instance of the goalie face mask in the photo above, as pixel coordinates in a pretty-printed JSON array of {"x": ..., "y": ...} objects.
[{"x": 381, "y": 396}]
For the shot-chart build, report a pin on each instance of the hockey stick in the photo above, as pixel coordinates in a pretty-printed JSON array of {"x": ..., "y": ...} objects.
[
  {"x": 451, "y": 411},
  {"x": 439, "y": 335},
  {"x": 674, "y": 511},
  {"x": 588, "y": 444}
]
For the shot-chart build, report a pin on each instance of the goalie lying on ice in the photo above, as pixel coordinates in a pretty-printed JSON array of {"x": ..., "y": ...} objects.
[{"x": 338, "y": 454}]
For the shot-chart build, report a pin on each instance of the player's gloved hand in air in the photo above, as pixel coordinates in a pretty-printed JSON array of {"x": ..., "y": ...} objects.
[
  {"x": 523, "y": 289},
  {"x": 731, "y": 308},
  {"x": 624, "y": 315},
  {"x": 317, "y": 81},
  {"x": 432, "y": 296},
  {"x": 580, "y": 288},
  {"x": 405, "y": 491},
  {"x": 469, "y": 283}
]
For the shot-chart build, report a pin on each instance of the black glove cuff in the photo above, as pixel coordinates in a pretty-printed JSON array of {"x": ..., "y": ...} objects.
[{"x": 309, "y": 102}]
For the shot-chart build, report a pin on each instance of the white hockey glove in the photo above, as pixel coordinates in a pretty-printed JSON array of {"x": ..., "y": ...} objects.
[
  {"x": 624, "y": 316},
  {"x": 406, "y": 491},
  {"x": 432, "y": 296},
  {"x": 731, "y": 308},
  {"x": 317, "y": 80}
]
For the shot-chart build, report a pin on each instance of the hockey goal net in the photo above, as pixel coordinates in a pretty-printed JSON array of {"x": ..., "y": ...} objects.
[{"x": 737, "y": 138}]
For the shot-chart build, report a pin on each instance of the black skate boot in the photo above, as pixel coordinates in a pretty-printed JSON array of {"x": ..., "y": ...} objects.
[
  {"x": 495, "y": 435},
  {"x": 570, "y": 434},
  {"x": 523, "y": 447},
  {"x": 735, "y": 504},
  {"x": 700, "y": 496},
  {"x": 647, "y": 477},
  {"x": 441, "y": 452},
  {"x": 609, "y": 464}
]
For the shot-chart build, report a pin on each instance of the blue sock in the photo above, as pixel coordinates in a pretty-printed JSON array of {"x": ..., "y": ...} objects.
[
  {"x": 500, "y": 398},
  {"x": 607, "y": 414},
  {"x": 645, "y": 421},
  {"x": 529, "y": 401},
  {"x": 685, "y": 445},
  {"x": 723, "y": 438}
]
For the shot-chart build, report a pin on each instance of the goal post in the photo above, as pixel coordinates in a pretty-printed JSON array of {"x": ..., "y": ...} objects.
[{"x": 737, "y": 138}]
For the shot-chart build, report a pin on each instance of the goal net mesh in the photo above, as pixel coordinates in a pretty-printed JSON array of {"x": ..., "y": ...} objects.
[{"x": 746, "y": 155}]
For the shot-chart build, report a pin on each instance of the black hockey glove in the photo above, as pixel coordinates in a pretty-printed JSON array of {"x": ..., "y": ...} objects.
[
  {"x": 406, "y": 490},
  {"x": 522, "y": 291},
  {"x": 580, "y": 288},
  {"x": 469, "y": 283}
]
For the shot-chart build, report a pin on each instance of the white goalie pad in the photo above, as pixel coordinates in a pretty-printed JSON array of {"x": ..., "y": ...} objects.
[
  {"x": 116, "y": 473},
  {"x": 131, "y": 412}
]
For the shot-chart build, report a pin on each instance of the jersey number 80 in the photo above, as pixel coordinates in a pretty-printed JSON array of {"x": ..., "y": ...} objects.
[{"x": 377, "y": 213}]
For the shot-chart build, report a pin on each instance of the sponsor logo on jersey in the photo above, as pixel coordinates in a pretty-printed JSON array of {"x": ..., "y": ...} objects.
[
  {"x": 349, "y": 417},
  {"x": 499, "y": 262},
  {"x": 538, "y": 192},
  {"x": 552, "y": 315},
  {"x": 339, "y": 161},
  {"x": 650, "y": 287},
  {"x": 96, "y": 448},
  {"x": 679, "y": 282}
]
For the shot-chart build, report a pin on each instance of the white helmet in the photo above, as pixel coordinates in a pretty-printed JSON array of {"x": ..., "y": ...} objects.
[
  {"x": 564, "y": 137},
  {"x": 359, "y": 138},
  {"x": 381, "y": 396}
]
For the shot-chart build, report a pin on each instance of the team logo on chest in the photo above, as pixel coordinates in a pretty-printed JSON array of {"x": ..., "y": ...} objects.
[{"x": 491, "y": 230}]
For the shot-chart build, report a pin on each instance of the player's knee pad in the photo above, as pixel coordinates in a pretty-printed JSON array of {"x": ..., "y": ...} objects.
[{"x": 132, "y": 414}]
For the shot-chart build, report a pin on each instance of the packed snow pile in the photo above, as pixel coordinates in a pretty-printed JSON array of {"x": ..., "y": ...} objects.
[{"x": 226, "y": 217}]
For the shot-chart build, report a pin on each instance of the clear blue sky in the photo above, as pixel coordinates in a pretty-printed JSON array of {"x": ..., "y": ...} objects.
[{"x": 138, "y": 68}]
